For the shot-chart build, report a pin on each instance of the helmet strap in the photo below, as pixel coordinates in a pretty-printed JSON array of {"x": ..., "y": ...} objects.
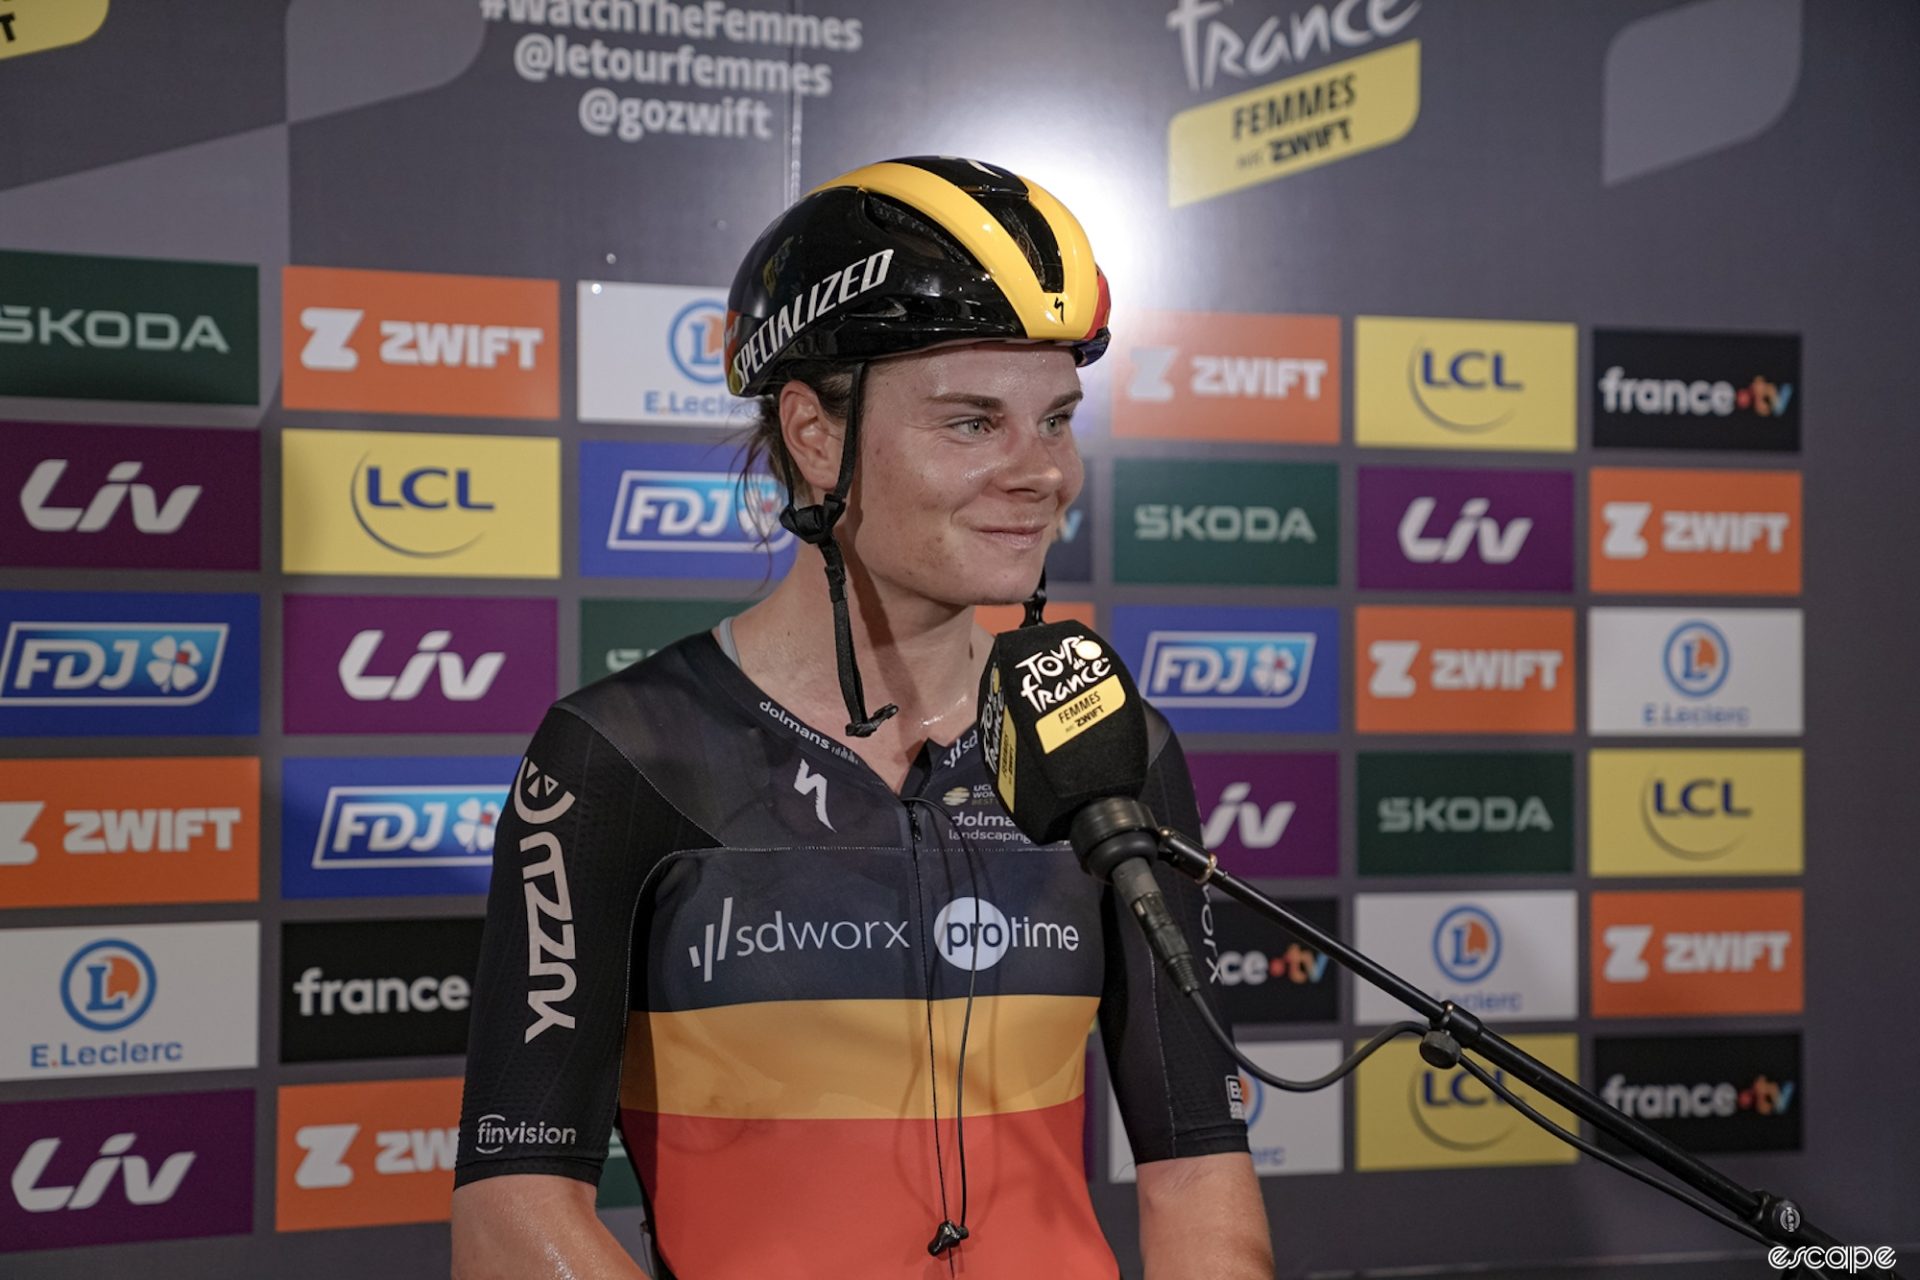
[{"x": 814, "y": 524}]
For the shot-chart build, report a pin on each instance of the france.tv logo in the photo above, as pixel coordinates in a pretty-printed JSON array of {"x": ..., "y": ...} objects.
[
  {"x": 360, "y": 828},
  {"x": 108, "y": 985},
  {"x": 677, "y": 511},
  {"x": 129, "y": 664},
  {"x": 1236, "y": 669},
  {"x": 697, "y": 341}
]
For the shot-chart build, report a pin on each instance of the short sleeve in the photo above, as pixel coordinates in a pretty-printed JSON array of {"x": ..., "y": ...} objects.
[
  {"x": 550, "y": 998},
  {"x": 1177, "y": 1088}
]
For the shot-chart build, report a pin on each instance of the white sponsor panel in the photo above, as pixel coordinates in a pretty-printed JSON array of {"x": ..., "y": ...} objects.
[
  {"x": 1672, "y": 672},
  {"x": 1287, "y": 1132},
  {"x": 128, "y": 999},
  {"x": 654, "y": 353},
  {"x": 1496, "y": 955}
]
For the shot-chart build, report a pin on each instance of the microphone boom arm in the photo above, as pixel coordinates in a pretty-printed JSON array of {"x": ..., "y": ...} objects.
[{"x": 1453, "y": 1030}]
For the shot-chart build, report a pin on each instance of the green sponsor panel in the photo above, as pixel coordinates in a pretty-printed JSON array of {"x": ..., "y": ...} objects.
[
  {"x": 1466, "y": 813},
  {"x": 619, "y": 1187},
  {"x": 615, "y": 634},
  {"x": 1235, "y": 523},
  {"x": 129, "y": 329}
]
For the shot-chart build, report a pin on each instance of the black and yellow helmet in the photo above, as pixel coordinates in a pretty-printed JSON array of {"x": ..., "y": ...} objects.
[{"x": 906, "y": 254}]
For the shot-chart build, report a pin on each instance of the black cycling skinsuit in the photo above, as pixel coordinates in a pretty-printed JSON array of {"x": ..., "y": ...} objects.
[{"x": 720, "y": 929}]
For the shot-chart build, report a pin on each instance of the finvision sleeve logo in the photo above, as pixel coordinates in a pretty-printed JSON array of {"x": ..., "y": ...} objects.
[{"x": 547, "y": 956}]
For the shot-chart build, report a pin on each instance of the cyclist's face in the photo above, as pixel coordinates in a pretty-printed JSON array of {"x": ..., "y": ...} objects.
[{"x": 967, "y": 466}]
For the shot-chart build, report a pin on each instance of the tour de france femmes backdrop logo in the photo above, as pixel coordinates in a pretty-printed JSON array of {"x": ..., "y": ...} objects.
[{"x": 108, "y": 985}]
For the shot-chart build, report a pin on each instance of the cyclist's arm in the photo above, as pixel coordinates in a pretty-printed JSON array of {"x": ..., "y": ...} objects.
[
  {"x": 1201, "y": 1215},
  {"x": 550, "y": 1010},
  {"x": 531, "y": 1226}
]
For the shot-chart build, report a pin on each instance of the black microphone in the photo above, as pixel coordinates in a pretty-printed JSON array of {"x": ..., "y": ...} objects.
[{"x": 1064, "y": 737}]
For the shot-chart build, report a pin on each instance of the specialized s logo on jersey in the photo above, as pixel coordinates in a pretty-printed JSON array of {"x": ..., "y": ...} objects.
[{"x": 548, "y": 956}]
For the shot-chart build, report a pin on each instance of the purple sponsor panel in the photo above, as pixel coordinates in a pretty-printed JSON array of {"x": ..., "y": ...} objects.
[
  {"x": 1447, "y": 529},
  {"x": 78, "y": 497},
  {"x": 428, "y": 664},
  {"x": 1270, "y": 814},
  {"x": 89, "y": 1171}
]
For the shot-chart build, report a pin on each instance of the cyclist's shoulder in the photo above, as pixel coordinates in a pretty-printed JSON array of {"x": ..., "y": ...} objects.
[{"x": 660, "y": 704}]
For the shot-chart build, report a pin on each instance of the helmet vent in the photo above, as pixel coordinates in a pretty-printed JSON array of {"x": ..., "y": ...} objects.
[{"x": 1030, "y": 231}]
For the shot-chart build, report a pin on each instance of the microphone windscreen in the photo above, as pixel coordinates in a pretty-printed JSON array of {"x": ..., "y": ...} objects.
[{"x": 1061, "y": 725}]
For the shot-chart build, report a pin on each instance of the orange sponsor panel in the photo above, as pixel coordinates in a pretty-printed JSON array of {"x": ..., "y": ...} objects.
[
  {"x": 1005, "y": 617},
  {"x": 1685, "y": 953},
  {"x": 1423, "y": 670},
  {"x": 365, "y": 1155},
  {"x": 1697, "y": 532},
  {"x": 1201, "y": 375},
  {"x": 77, "y": 833},
  {"x": 408, "y": 342}
]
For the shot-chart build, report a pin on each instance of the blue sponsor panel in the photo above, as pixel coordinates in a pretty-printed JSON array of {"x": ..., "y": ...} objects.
[
  {"x": 132, "y": 664},
  {"x": 677, "y": 511},
  {"x": 375, "y": 828},
  {"x": 1235, "y": 670}
]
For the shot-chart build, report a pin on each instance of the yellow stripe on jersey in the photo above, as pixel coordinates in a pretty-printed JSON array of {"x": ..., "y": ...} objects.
[{"x": 855, "y": 1059}]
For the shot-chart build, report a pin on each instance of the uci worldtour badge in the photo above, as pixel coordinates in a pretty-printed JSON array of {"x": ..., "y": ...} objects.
[{"x": 73, "y": 664}]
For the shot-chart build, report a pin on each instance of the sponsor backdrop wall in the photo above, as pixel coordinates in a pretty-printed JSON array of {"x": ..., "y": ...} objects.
[{"x": 1500, "y": 476}]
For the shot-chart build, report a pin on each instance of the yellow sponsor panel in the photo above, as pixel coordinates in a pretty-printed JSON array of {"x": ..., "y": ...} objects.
[
  {"x": 1413, "y": 1116},
  {"x": 420, "y": 504},
  {"x": 1697, "y": 813},
  {"x": 1463, "y": 384},
  {"x": 1293, "y": 125},
  {"x": 1085, "y": 711},
  {"x": 34, "y": 26}
]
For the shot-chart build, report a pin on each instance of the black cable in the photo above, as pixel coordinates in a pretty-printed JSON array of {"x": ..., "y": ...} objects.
[
  {"x": 966, "y": 1018},
  {"x": 1507, "y": 1095},
  {"x": 1358, "y": 1056},
  {"x": 926, "y": 986},
  {"x": 1683, "y": 1195}
]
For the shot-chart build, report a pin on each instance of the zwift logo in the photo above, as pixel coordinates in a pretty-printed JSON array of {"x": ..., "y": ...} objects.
[{"x": 111, "y": 664}]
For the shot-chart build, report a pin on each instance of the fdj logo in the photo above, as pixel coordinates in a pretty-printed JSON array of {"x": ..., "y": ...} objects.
[
  {"x": 108, "y": 985},
  {"x": 697, "y": 341},
  {"x": 1697, "y": 659},
  {"x": 1228, "y": 668},
  {"x": 1463, "y": 390},
  {"x": 973, "y": 934},
  {"x": 1466, "y": 944},
  {"x": 110, "y": 665},
  {"x": 696, "y": 511},
  {"x": 412, "y": 493},
  {"x": 441, "y": 826}
]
